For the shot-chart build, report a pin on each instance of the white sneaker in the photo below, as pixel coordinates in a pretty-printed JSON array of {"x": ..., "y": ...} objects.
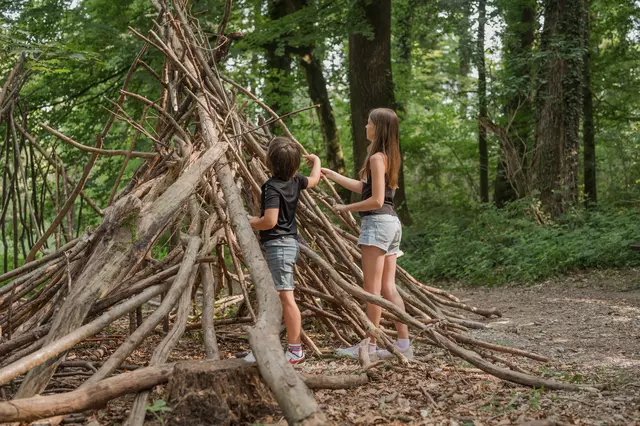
[
  {"x": 385, "y": 354},
  {"x": 353, "y": 352},
  {"x": 250, "y": 357},
  {"x": 293, "y": 358}
]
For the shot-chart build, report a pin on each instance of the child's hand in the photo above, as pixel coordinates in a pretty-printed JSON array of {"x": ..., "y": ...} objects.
[
  {"x": 311, "y": 159},
  {"x": 251, "y": 218},
  {"x": 341, "y": 208},
  {"x": 326, "y": 172}
]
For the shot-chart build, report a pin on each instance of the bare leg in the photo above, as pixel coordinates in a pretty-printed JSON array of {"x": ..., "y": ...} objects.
[
  {"x": 291, "y": 313},
  {"x": 372, "y": 268},
  {"x": 390, "y": 292}
]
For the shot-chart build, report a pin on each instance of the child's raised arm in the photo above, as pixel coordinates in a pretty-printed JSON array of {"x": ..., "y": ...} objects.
[{"x": 314, "y": 162}]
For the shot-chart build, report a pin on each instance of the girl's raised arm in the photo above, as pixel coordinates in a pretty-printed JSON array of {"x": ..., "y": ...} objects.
[{"x": 345, "y": 182}]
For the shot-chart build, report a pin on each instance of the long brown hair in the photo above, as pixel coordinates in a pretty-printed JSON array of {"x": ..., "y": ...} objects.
[{"x": 387, "y": 141}]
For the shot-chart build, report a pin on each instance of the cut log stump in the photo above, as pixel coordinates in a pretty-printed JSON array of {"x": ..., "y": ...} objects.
[{"x": 211, "y": 392}]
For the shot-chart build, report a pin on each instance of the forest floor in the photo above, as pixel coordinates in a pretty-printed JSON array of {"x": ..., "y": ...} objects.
[{"x": 588, "y": 323}]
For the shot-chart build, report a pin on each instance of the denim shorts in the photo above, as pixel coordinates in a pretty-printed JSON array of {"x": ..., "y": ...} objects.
[
  {"x": 383, "y": 231},
  {"x": 281, "y": 255}
]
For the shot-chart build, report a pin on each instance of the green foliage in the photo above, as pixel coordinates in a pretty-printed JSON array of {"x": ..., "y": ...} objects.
[
  {"x": 158, "y": 409},
  {"x": 487, "y": 246},
  {"x": 79, "y": 51}
]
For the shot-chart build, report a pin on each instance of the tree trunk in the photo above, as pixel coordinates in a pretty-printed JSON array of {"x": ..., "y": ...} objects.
[
  {"x": 465, "y": 47},
  {"x": 588, "y": 130},
  {"x": 370, "y": 79},
  {"x": 559, "y": 102},
  {"x": 217, "y": 392},
  {"x": 518, "y": 41},
  {"x": 482, "y": 104},
  {"x": 319, "y": 95},
  {"x": 404, "y": 23},
  {"x": 278, "y": 90}
]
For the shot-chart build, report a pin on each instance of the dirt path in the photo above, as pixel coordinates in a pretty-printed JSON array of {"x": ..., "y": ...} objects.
[
  {"x": 588, "y": 323},
  {"x": 592, "y": 320}
]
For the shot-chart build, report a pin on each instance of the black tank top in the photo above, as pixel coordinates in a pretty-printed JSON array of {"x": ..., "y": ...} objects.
[{"x": 387, "y": 207}]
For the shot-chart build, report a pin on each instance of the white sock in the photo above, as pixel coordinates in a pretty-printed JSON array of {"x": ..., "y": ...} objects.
[
  {"x": 372, "y": 347},
  {"x": 403, "y": 344}
]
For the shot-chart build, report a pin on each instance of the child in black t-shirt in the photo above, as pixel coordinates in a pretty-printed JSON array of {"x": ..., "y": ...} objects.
[{"x": 278, "y": 230}]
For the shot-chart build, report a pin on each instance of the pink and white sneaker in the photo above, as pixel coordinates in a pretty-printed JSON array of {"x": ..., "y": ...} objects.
[{"x": 293, "y": 358}]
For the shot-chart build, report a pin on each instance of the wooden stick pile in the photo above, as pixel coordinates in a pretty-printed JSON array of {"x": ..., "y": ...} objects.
[{"x": 195, "y": 187}]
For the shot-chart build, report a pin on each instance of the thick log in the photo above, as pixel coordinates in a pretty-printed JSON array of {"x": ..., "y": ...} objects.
[
  {"x": 342, "y": 381},
  {"x": 95, "y": 396},
  {"x": 293, "y": 396}
]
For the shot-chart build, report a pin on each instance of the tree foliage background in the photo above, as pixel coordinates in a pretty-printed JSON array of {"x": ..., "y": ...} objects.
[{"x": 79, "y": 51}]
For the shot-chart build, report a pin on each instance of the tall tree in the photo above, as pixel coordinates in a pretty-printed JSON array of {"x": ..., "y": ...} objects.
[
  {"x": 404, "y": 40},
  {"x": 370, "y": 77},
  {"x": 518, "y": 39},
  {"x": 559, "y": 104},
  {"x": 465, "y": 45},
  {"x": 278, "y": 81},
  {"x": 482, "y": 103},
  {"x": 588, "y": 131},
  {"x": 317, "y": 88}
]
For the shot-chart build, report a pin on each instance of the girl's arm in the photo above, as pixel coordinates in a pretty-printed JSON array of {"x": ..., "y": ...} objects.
[
  {"x": 314, "y": 177},
  {"x": 345, "y": 182},
  {"x": 376, "y": 163},
  {"x": 266, "y": 222}
]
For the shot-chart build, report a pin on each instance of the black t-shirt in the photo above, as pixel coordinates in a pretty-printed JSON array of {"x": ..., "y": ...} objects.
[{"x": 282, "y": 195}]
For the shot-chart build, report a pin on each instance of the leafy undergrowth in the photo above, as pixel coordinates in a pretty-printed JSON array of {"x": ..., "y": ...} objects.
[{"x": 483, "y": 245}]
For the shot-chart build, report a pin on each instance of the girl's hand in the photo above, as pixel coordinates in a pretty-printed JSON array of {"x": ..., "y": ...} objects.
[
  {"x": 341, "y": 208},
  {"x": 251, "y": 218},
  {"x": 327, "y": 172},
  {"x": 311, "y": 159}
]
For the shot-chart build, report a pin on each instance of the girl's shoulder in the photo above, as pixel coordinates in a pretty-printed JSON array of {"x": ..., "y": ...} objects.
[{"x": 378, "y": 158}]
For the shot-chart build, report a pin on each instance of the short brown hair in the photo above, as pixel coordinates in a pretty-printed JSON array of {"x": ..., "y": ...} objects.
[{"x": 283, "y": 157}]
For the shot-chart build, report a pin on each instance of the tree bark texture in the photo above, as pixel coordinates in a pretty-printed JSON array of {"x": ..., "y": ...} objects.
[
  {"x": 559, "y": 104},
  {"x": 588, "y": 128},
  {"x": 518, "y": 42},
  {"x": 482, "y": 103},
  {"x": 370, "y": 78}
]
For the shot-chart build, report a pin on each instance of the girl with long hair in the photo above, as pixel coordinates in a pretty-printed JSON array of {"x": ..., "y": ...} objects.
[{"x": 380, "y": 231}]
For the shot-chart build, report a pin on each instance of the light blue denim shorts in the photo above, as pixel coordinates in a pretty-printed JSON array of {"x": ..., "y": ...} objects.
[
  {"x": 281, "y": 255},
  {"x": 383, "y": 231}
]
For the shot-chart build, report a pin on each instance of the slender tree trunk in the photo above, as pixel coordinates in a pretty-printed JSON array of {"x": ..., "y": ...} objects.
[
  {"x": 278, "y": 90},
  {"x": 482, "y": 104},
  {"x": 559, "y": 103},
  {"x": 465, "y": 46},
  {"x": 588, "y": 130},
  {"x": 518, "y": 41},
  {"x": 318, "y": 93}
]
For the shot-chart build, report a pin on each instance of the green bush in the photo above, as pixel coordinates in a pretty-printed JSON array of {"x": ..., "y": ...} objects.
[{"x": 483, "y": 245}]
